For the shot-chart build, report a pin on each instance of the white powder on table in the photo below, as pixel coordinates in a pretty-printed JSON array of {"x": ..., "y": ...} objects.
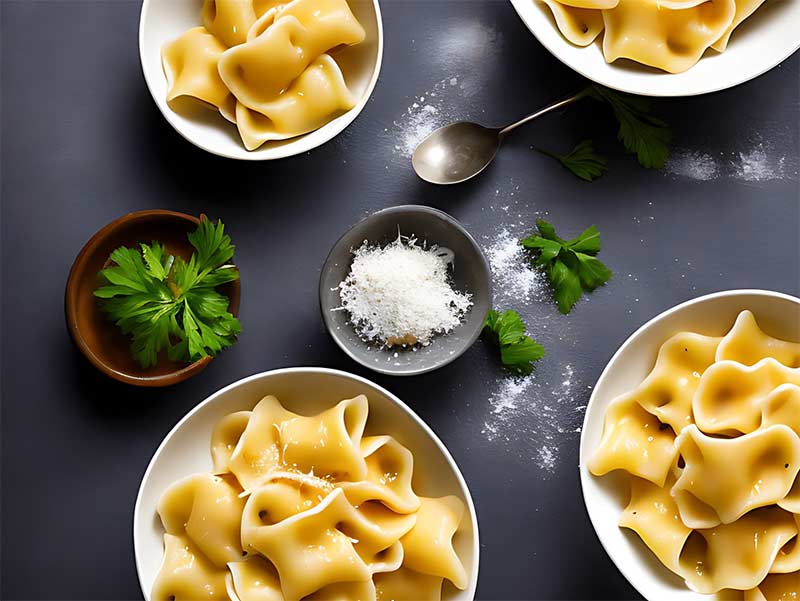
[{"x": 759, "y": 162}]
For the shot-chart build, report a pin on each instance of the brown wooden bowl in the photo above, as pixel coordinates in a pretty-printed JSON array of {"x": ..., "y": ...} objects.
[{"x": 102, "y": 342}]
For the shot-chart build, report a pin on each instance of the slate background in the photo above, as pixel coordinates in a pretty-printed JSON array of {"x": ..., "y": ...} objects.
[{"x": 83, "y": 143}]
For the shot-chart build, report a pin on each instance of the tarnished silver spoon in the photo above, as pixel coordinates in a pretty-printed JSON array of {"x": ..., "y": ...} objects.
[{"x": 459, "y": 151}]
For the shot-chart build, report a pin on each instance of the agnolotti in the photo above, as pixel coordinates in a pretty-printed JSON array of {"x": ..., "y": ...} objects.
[
  {"x": 315, "y": 98},
  {"x": 650, "y": 33},
  {"x": 190, "y": 65},
  {"x": 766, "y": 464},
  {"x": 317, "y": 547},
  {"x": 737, "y": 555},
  {"x": 747, "y": 343},
  {"x": 776, "y": 587},
  {"x": 635, "y": 441},
  {"x": 653, "y": 515},
  {"x": 257, "y": 453},
  {"x": 254, "y": 579},
  {"x": 428, "y": 546},
  {"x": 744, "y": 8},
  {"x": 187, "y": 575},
  {"x": 207, "y": 509},
  {"x": 668, "y": 390},
  {"x": 282, "y": 44},
  {"x": 390, "y": 467},
  {"x": 579, "y": 25},
  {"x": 730, "y": 395},
  {"x": 228, "y": 20},
  {"x": 405, "y": 584},
  {"x": 225, "y": 437},
  {"x": 328, "y": 444}
]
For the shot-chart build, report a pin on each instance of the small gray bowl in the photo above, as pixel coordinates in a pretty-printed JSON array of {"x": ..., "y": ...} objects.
[{"x": 470, "y": 274}]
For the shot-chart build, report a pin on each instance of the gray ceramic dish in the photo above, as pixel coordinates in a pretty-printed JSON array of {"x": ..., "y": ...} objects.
[{"x": 470, "y": 274}]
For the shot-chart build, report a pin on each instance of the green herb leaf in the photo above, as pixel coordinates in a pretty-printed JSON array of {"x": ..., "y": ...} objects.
[
  {"x": 518, "y": 351},
  {"x": 582, "y": 160},
  {"x": 570, "y": 265},
  {"x": 165, "y": 303},
  {"x": 641, "y": 133}
]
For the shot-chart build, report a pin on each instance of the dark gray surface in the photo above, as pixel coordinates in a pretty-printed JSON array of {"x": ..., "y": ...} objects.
[{"x": 83, "y": 143}]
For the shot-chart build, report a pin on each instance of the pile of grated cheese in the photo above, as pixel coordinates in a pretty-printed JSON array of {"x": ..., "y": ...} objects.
[{"x": 401, "y": 294}]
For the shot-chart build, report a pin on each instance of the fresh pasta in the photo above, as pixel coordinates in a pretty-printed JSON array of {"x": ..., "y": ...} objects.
[
  {"x": 265, "y": 65},
  {"x": 671, "y": 35},
  {"x": 710, "y": 442},
  {"x": 306, "y": 507}
]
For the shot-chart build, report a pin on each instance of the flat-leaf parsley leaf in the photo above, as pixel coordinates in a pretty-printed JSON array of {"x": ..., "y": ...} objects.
[
  {"x": 570, "y": 265},
  {"x": 582, "y": 160},
  {"x": 164, "y": 302},
  {"x": 518, "y": 351}
]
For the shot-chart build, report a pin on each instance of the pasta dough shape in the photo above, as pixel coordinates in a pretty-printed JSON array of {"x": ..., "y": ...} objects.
[
  {"x": 776, "y": 587},
  {"x": 389, "y": 469},
  {"x": 316, "y": 97},
  {"x": 208, "y": 510},
  {"x": 788, "y": 558},
  {"x": 190, "y": 65},
  {"x": 767, "y": 462},
  {"x": 429, "y": 545},
  {"x": 345, "y": 591},
  {"x": 281, "y": 45},
  {"x": 744, "y": 8},
  {"x": 729, "y": 396},
  {"x": 186, "y": 574},
  {"x": 590, "y": 4},
  {"x": 672, "y": 40},
  {"x": 229, "y": 20},
  {"x": 748, "y": 344},
  {"x": 254, "y": 579},
  {"x": 328, "y": 444},
  {"x": 782, "y": 406},
  {"x": 320, "y": 546},
  {"x": 737, "y": 555},
  {"x": 257, "y": 453},
  {"x": 225, "y": 437},
  {"x": 579, "y": 25},
  {"x": 653, "y": 515},
  {"x": 668, "y": 390},
  {"x": 407, "y": 585},
  {"x": 634, "y": 440}
]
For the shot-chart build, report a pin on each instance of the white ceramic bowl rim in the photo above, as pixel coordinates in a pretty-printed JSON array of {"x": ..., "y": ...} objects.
[
  {"x": 610, "y": 367},
  {"x": 473, "y": 578},
  {"x": 654, "y": 83},
  {"x": 289, "y": 147}
]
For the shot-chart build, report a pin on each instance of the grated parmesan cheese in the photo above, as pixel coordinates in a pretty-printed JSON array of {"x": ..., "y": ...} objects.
[{"x": 401, "y": 294}]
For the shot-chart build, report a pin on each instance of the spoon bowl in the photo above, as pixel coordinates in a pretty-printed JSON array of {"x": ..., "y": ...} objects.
[
  {"x": 455, "y": 152},
  {"x": 460, "y": 151}
]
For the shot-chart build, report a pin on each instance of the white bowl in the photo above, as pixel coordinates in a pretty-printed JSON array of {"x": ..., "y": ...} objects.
[
  {"x": 777, "y": 314},
  {"x": 765, "y": 39},
  {"x": 164, "y": 20},
  {"x": 304, "y": 390}
]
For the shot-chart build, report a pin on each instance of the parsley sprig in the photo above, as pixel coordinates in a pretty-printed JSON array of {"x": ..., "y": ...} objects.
[
  {"x": 164, "y": 302},
  {"x": 571, "y": 265},
  {"x": 640, "y": 132},
  {"x": 518, "y": 351},
  {"x": 582, "y": 160}
]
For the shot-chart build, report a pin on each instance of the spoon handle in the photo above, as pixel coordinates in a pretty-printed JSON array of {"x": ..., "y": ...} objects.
[{"x": 544, "y": 111}]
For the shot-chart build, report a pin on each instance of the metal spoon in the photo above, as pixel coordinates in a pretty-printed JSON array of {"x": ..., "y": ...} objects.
[{"x": 459, "y": 151}]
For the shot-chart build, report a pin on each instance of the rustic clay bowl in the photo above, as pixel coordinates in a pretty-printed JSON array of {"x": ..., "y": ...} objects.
[{"x": 101, "y": 342}]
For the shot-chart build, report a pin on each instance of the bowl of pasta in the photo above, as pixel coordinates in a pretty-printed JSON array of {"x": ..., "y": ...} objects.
[
  {"x": 690, "y": 451},
  {"x": 260, "y": 79},
  {"x": 304, "y": 483},
  {"x": 665, "y": 47}
]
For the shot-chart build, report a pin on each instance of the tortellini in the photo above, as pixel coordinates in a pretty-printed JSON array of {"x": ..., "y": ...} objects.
[
  {"x": 711, "y": 443},
  {"x": 670, "y": 35},
  {"x": 306, "y": 507},
  {"x": 266, "y": 65}
]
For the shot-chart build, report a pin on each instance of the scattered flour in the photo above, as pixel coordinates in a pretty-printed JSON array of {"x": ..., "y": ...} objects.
[
  {"x": 759, "y": 163},
  {"x": 534, "y": 415},
  {"x": 430, "y": 110},
  {"x": 693, "y": 164}
]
